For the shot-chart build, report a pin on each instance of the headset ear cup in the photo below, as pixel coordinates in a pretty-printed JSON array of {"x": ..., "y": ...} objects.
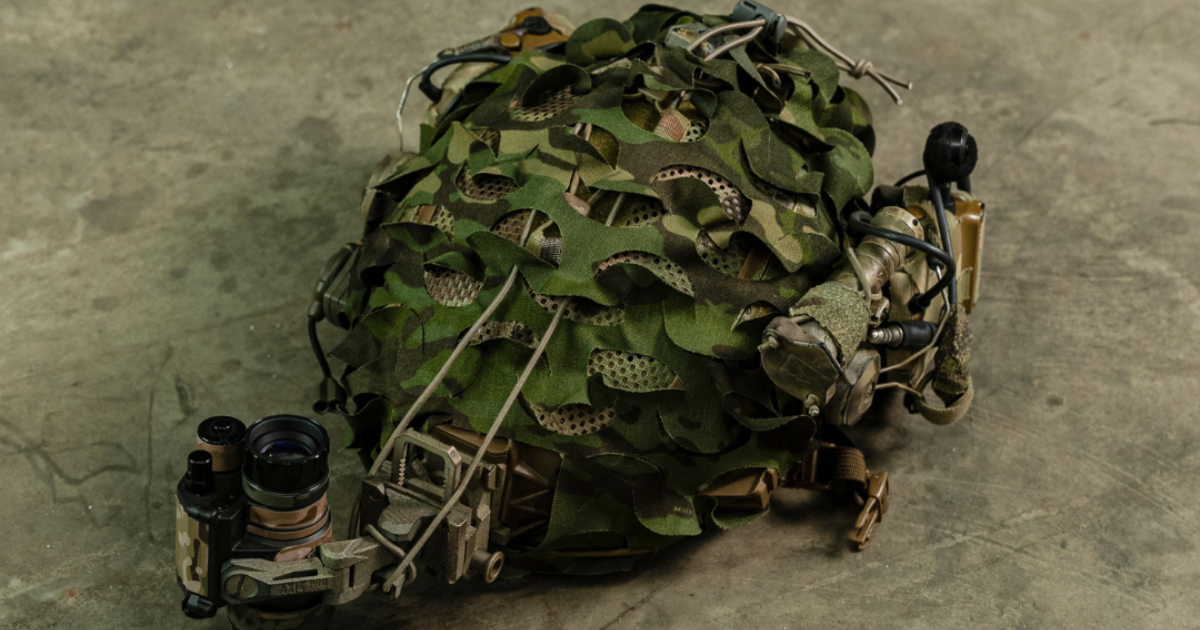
[{"x": 950, "y": 153}]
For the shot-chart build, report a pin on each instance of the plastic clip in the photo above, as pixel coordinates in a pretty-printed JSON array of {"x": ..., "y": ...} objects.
[
  {"x": 333, "y": 267},
  {"x": 776, "y": 23},
  {"x": 878, "y": 488}
]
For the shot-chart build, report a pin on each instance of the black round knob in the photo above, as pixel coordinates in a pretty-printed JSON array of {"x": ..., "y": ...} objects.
[
  {"x": 199, "y": 476},
  {"x": 222, "y": 431},
  {"x": 950, "y": 153}
]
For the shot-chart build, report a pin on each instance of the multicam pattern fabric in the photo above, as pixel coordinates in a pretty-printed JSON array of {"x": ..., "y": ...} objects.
[
  {"x": 191, "y": 552},
  {"x": 733, "y": 172}
]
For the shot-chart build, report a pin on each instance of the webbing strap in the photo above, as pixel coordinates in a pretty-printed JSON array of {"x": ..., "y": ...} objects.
[
  {"x": 832, "y": 463},
  {"x": 943, "y": 416},
  {"x": 841, "y": 463}
]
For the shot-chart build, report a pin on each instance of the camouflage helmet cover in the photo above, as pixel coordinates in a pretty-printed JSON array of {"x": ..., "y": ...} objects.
[{"x": 679, "y": 204}]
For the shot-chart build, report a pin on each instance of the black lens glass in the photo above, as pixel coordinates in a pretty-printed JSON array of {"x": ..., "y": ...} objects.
[{"x": 285, "y": 450}]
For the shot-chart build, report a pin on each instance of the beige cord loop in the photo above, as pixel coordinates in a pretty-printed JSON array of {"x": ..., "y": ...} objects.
[
  {"x": 856, "y": 69},
  {"x": 723, "y": 28},
  {"x": 411, "y": 573},
  {"x": 403, "y": 100},
  {"x": 860, "y": 69},
  {"x": 741, "y": 41}
]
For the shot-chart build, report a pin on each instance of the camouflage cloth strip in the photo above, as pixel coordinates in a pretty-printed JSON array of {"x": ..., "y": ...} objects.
[{"x": 952, "y": 377}]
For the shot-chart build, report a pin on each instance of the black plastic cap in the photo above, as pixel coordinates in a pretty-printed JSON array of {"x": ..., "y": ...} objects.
[
  {"x": 286, "y": 454},
  {"x": 199, "y": 476},
  {"x": 536, "y": 25},
  {"x": 222, "y": 431},
  {"x": 917, "y": 334},
  {"x": 950, "y": 153}
]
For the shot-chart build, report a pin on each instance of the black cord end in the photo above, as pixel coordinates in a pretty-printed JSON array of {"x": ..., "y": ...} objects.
[{"x": 331, "y": 398}]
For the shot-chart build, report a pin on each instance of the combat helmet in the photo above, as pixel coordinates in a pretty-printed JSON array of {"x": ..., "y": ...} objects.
[{"x": 631, "y": 280}]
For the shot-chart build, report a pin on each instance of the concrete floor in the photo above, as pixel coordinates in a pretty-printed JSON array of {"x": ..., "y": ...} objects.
[{"x": 174, "y": 174}]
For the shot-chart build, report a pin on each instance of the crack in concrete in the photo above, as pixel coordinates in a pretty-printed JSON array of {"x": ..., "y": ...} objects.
[{"x": 49, "y": 471}]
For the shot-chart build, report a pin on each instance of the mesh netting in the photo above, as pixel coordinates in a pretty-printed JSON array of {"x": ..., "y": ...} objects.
[
  {"x": 638, "y": 210},
  {"x": 490, "y": 137},
  {"x": 546, "y": 106},
  {"x": 516, "y": 331},
  {"x": 629, "y": 372},
  {"x": 695, "y": 131},
  {"x": 573, "y": 419},
  {"x": 583, "y": 310},
  {"x": 733, "y": 202},
  {"x": 449, "y": 287},
  {"x": 511, "y": 225},
  {"x": 667, "y": 271},
  {"x": 485, "y": 186},
  {"x": 728, "y": 261}
]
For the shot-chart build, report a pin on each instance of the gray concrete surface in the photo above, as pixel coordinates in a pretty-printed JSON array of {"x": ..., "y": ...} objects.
[{"x": 173, "y": 174}]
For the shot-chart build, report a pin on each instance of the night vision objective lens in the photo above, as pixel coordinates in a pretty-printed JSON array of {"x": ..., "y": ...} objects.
[
  {"x": 285, "y": 476},
  {"x": 287, "y": 455}
]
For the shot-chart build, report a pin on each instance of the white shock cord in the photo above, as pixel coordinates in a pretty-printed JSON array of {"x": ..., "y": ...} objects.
[{"x": 857, "y": 69}]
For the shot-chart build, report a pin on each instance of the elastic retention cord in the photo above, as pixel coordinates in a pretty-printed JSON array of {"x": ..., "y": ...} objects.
[
  {"x": 907, "y": 178},
  {"x": 860, "y": 224},
  {"x": 434, "y": 92},
  {"x": 316, "y": 346}
]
